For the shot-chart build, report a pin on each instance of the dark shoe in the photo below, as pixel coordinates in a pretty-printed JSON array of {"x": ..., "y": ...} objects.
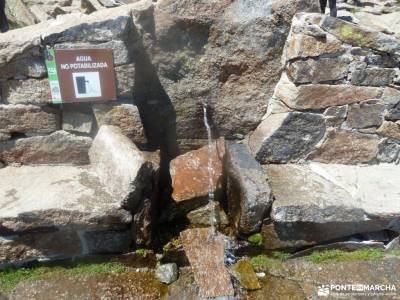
[{"x": 4, "y": 28}]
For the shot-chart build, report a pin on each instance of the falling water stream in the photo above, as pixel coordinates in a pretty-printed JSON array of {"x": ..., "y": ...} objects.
[{"x": 210, "y": 170}]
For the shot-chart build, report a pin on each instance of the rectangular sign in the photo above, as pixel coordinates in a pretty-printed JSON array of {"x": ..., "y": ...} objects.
[{"x": 81, "y": 75}]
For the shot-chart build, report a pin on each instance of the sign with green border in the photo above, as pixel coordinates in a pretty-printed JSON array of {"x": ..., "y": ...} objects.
[
  {"x": 81, "y": 75},
  {"x": 51, "y": 65}
]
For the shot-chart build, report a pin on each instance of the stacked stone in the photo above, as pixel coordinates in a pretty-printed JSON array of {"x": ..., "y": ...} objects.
[
  {"x": 30, "y": 123},
  {"x": 69, "y": 189},
  {"x": 233, "y": 71},
  {"x": 340, "y": 88},
  {"x": 333, "y": 123}
]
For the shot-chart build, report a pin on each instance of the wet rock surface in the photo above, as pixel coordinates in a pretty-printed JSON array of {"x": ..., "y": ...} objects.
[
  {"x": 244, "y": 273},
  {"x": 207, "y": 261},
  {"x": 300, "y": 279},
  {"x": 295, "y": 279},
  {"x": 129, "y": 285},
  {"x": 189, "y": 173},
  {"x": 211, "y": 213},
  {"x": 307, "y": 276},
  {"x": 343, "y": 246}
]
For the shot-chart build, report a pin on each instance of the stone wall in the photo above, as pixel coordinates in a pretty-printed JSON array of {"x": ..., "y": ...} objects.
[
  {"x": 338, "y": 99},
  {"x": 34, "y": 131},
  {"x": 337, "y": 103},
  {"x": 170, "y": 57},
  {"x": 56, "y": 211},
  {"x": 220, "y": 53}
]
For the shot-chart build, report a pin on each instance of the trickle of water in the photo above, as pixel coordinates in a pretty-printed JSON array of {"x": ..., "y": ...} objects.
[{"x": 210, "y": 168}]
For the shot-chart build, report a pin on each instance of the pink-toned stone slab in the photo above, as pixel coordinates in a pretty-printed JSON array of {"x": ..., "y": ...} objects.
[{"x": 205, "y": 252}]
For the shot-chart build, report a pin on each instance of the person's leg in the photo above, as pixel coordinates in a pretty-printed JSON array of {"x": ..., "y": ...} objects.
[
  {"x": 322, "y": 5},
  {"x": 3, "y": 18},
  {"x": 332, "y": 7}
]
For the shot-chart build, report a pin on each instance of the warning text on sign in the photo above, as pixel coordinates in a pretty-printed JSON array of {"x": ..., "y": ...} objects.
[{"x": 84, "y": 62}]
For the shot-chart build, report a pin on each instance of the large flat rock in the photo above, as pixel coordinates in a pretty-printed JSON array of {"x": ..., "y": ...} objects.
[
  {"x": 55, "y": 196},
  {"x": 321, "y": 202}
]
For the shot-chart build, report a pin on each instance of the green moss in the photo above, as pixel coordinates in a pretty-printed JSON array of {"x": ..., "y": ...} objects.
[
  {"x": 353, "y": 36},
  {"x": 338, "y": 255},
  {"x": 142, "y": 252},
  {"x": 9, "y": 278},
  {"x": 347, "y": 31},
  {"x": 256, "y": 239},
  {"x": 244, "y": 272},
  {"x": 187, "y": 63},
  {"x": 113, "y": 267},
  {"x": 281, "y": 255},
  {"x": 398, "y": 2},
  {"x": 260, "y": 261},
  {"x": 173, "y": 244}
]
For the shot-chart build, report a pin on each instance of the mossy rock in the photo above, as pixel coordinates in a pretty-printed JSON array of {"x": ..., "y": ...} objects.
[
  {"x": 256, "y": 239},
  {"x": 244, "y": 273},
  {"x": 356, "y": 37}
]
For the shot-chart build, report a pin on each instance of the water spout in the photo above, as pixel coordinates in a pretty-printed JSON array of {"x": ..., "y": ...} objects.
[{"x": 210, "y": 169}]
